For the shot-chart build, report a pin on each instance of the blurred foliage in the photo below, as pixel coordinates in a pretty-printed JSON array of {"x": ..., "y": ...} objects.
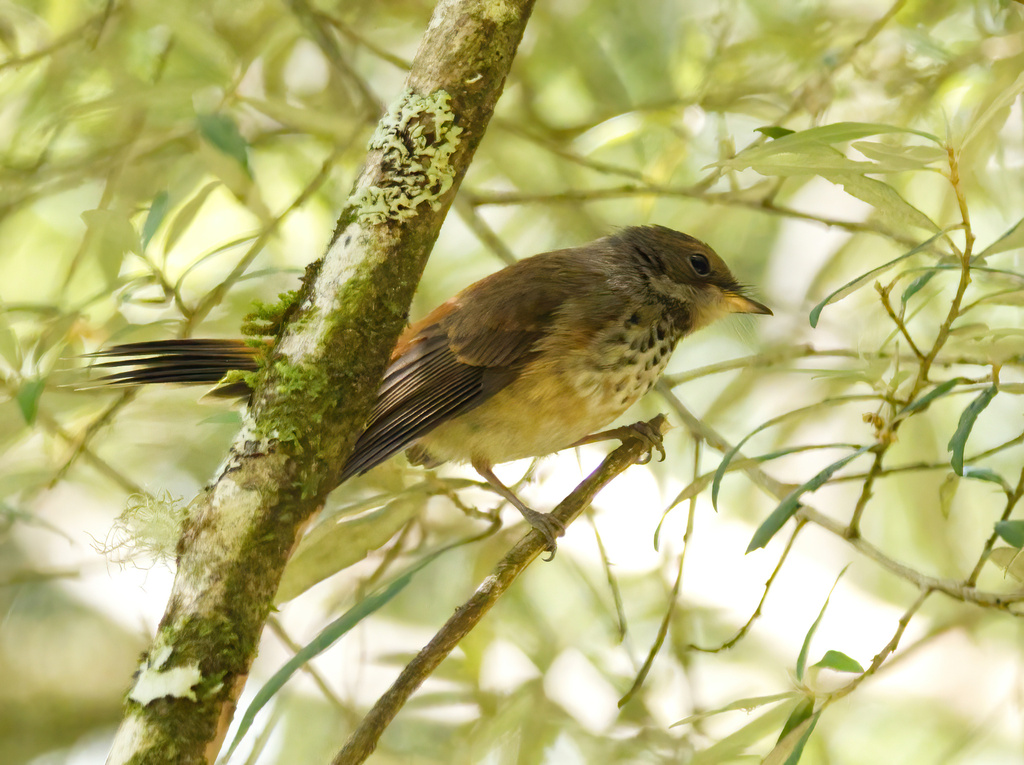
[{"x": 164, "y": 164}]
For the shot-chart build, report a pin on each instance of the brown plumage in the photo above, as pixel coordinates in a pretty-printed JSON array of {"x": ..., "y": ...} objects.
[{"x": 525, "y": 362}]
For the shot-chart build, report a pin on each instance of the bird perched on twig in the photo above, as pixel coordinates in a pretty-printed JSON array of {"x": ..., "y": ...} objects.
[{"x": 525, "y": 362}]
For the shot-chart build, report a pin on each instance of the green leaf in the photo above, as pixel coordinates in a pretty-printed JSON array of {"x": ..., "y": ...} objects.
[
  {"x": 747, "y": 705},
  {"x": 801, "y": 659},
  {"x": 802, "y": 711},
  {"x": 794, "y": 743},
  {"x": 327, "y": 637},
  {"x": 157, "y": 212},
  {"x": 839, "y": 132},
  {"x": 1011, "y": 532},
  {"x": 806, "y": 160},
  {"x": 938, "y": 391},
  {"x": 773, "y": 131},
  {"x": 852, "y": 286},
  {"x": 810, "y": 151},
  {"x": 338, "y": 542},
  {"x": 892, "y": 208},
  {"x": 697, "y": 486},
  {"x": 1011, "y": 240},
  {"x": 222, "y": 132},
  {"x": 1002, "y": 102},
  {"x": 187, "y": 214},
  {"x": 963, "y": 429},
  {"x": 839, "y": 661},
  {"x": 1010, "y": 560},
  {"x": 223, "y": 418},
  {"x": 788, "y": 507},
  {"x": 915, "y": 286},
  {"x": 984, "y": 474},
  {"x": 739, "y": 741},
  {"x": 28, "y": 399},
  {"x": 111, "y": 235},
  {"x": 901, "y": 157},
  {"x": 947, "y": 491},
  {"x": 716, "y": 484}
]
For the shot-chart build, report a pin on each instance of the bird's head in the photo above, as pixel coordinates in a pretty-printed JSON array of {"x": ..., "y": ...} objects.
[{"x": 686, "y": 274}]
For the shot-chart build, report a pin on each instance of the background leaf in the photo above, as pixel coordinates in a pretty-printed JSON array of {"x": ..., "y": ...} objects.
[
  {"x": 963, "y": 429},
  {"x": 221, "y": 131},
  {"x": 788, "y": 507}
]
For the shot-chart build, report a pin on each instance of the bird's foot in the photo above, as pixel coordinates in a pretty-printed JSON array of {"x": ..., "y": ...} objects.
[
  {"x": 546, "y": 525},
  {"x": 648, "y": 433}
]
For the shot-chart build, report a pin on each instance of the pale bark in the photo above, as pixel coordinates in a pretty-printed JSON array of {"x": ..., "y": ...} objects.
[{"x": 310, "y": 404}]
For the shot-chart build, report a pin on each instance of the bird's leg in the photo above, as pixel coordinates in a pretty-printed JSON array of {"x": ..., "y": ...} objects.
[
  {"x": 649, "y": 433},
  {"x": 549, "y": 527}
]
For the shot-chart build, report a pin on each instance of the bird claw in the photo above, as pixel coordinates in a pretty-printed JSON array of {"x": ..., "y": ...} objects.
[
  {"x": 547, "y": 526},
  {"x": 650, "y": 436}
]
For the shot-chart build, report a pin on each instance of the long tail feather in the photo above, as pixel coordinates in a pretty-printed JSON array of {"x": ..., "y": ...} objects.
[{"x": 188, "y": 362}]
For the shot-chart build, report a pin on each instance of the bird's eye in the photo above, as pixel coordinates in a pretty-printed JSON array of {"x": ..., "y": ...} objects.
[{"x": 700, "y": 264}]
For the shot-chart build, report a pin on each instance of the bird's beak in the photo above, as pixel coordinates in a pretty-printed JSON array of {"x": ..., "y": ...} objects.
[{"x": 738, "y": 303}]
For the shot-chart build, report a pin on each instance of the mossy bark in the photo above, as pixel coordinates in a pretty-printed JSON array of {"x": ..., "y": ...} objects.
[{"x": 332, "y": 346}]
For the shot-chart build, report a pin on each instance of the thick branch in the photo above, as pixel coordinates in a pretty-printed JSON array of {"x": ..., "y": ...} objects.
[{"x": 334, "y": 340}]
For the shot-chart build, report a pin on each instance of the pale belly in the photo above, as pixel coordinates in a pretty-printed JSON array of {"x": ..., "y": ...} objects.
[{"x": 548, "y": 409}]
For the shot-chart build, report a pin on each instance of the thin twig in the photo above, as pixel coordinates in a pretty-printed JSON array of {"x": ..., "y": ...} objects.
[
  {"x": 364, "y": 739},
  {"x": 778, "y": 490},
  {"x": 742, "y": 631},
  {"x": 666, "y": 619},
  {"x": 884, "y": 654}
]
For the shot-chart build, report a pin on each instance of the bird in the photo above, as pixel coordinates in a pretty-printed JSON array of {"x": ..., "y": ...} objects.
[{"x": 530, "y": 360}]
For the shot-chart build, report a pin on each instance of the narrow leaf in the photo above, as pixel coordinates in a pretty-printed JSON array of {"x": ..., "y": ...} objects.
[
  {"x": 179, "y": 225},
  {"x": 1011, "y": 532},
  {"x": 1011, "y": 240},
  {"x": 889, "y": 205},
  {"x": 747, "y": 705},
  {"x": 738, "y": 742},
  {"x": 340, "y": 542},
  {"x": 223, "y": 418},
  {"x": 963, "y": 429},
  {"x": 697, "y": 486},
  {"x": 947, "y": 491},
  {"x": 327, "y": 637},
  {"x": 802, "y": 711},
  {"x": 1002, "y": 102},
  {"x": 773, "y": 131},
  {"x": 915, "y": 286},
  {"x": 28, "y": 399},
  {"x": 804, "y": 732},
  {"x": 825, "y": 135},
  {"x": 222, "y": 132},
  {"x": 860, "y": 281},
  {"x": 811, "y": 159},
  {"x": 840, "y": 662},
  {"x": 788, "y": 507},
  {"x": 1010, "y": 560},
  {"x": 716, "y": 484},
  {"x": 984, "y": 474},
  {"x": 155, "y": 216},
  {"x": 801, "y": 660},
  {"x": 937, "y": 392},
  {"x": 901, "y": 157}
]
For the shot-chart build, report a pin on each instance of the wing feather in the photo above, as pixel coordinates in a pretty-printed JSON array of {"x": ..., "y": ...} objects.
[{"x": 460, "y": 355}]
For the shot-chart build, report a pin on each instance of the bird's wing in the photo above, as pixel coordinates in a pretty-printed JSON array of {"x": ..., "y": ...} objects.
[{"x": 456, "y": 358}]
